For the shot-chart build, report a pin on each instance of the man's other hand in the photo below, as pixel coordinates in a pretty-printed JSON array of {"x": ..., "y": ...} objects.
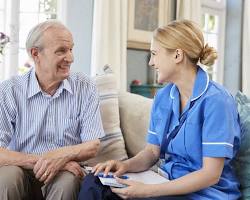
[
  {"x": 74, "y": 168},
  {"x": 48, "y": 166}
]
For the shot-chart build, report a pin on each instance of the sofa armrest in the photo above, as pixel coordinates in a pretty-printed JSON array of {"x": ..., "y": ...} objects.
[{"x": 134, "y": 120}]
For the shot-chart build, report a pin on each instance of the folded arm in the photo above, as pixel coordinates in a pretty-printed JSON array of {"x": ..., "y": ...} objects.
[
  {"x": 8, "y": 157},
  {"x": 50, "y": 163}
]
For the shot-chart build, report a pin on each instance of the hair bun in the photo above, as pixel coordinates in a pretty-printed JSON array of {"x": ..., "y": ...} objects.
[{"x": 208, "y": 55}]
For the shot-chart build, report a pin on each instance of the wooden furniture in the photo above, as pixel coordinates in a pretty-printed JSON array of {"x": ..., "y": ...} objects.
[{"x": 145, "y": 90}]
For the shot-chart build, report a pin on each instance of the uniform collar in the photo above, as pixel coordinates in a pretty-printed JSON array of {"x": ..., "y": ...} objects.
[
  {"x": 200, "y": 86},
  {"x": 34, "y": 87}
]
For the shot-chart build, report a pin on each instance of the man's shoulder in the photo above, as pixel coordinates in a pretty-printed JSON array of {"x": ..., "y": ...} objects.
[{"x": 15, "y": 83}]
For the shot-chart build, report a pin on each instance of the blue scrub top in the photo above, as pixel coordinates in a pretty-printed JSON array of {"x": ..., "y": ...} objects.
[{"x": 211, "y": 130}]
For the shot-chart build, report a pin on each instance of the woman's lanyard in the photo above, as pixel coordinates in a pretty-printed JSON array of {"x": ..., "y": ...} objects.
[{"x": 168, "y": 137}]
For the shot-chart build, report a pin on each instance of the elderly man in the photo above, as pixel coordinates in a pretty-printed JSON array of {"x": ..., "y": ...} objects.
[{"x": 49, "y": 121}]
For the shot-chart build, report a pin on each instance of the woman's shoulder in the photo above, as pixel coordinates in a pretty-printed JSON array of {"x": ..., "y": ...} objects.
[
  {"x": 218, "y": 93},
  {"x": 216, "y": 89}
]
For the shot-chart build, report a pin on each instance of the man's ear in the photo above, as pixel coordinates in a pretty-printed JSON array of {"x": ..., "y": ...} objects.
[
  {"x": 34, "y": 53},
  {"x": 179, "y": 55}
]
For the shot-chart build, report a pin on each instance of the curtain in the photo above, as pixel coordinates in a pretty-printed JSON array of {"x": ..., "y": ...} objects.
[
  {"x": 109, "y": 42},
  {"x": 246, "y": 49},
  {"x": 189, "y": 9}
]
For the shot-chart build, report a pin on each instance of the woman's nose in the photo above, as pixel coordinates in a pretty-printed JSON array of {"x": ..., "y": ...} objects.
[{"x": 151, "y": 63}]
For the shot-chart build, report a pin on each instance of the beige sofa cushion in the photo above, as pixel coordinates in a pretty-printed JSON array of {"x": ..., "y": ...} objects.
[
  {"x": 112, "y": 146},
  {"x": 135, "y": 114}
]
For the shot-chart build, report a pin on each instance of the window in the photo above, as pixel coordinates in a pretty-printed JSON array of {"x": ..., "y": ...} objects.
[
  {"x": 30, "y": 12},
  {"x": 2, "y": 15},
  {"x": 213, "y": 25}
]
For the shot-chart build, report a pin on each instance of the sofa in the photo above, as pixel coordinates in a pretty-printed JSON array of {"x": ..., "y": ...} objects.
[{"x": 125, "y": 118}]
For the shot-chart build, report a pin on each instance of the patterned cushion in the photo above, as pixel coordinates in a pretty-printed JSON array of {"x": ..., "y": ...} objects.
[
  {"x": 112, "y": 145},
  {"x": 242, "y": 162}
]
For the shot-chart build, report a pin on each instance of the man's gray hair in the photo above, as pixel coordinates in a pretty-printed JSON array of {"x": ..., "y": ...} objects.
[{"x": 34, "y": 38}]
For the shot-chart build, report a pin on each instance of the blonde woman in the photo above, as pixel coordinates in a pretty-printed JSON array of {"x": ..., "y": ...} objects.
[{"x": 194, "y": 126}]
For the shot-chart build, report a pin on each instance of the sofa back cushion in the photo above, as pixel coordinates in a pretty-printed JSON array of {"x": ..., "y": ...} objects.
[
  {"x": 112, "y": 145},
  {"x": 135, "y": 114},
  {"x": 242, "y": 161}
]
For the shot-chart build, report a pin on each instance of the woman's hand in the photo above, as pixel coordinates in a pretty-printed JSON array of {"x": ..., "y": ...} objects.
[
  {"x": 116, "y": 166},
  {"x": 134, "y": 189}
]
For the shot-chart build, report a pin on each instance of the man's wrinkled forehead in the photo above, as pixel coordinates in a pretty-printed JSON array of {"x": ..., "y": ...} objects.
[{"x": 56, "y": 34}]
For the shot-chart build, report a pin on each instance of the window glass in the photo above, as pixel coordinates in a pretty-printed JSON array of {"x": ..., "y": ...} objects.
[
  {"x": 29, "y": 5},
  {"x": 2, "y": 4},
  {"x": 211, "y": 35},
  {"x": 32, "y": 12}
]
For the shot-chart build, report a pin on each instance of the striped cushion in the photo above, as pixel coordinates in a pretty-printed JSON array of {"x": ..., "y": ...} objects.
[{"x": 112, "y": 145}]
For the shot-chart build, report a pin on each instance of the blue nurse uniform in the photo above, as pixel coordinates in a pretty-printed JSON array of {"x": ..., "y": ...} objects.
[{"x": 211, "y": 129}]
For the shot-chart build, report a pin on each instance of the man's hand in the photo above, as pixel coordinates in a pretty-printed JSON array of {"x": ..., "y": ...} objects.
[
  {"x": 48, "y": 166},
  {"x": 30, "y": 161},
  {"x": 74, "y": 168},
  {"x": 53, "y": 161}
]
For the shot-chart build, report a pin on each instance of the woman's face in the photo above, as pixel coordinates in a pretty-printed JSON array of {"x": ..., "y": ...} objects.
[{"x": 163, "y": 61}]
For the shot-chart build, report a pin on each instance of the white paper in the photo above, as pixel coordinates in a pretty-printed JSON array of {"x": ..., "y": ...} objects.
[{"x": 147, "y": 177}]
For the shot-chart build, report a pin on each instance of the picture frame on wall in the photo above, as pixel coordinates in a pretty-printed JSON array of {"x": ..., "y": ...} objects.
[{"x": 144, "y": 16}]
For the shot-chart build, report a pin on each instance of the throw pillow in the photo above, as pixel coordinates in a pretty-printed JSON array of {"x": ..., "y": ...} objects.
[
  {"x": 112, "y": 145},
  {"x": 135, "y": 111},
  {"x": 242, "y": 161}
]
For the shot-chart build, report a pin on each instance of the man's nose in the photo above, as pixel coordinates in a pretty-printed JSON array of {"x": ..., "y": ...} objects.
[{"x": 69, "y": 57}]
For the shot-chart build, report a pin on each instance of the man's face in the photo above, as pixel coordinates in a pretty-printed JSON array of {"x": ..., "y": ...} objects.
[{"x": 56, "y": 56}]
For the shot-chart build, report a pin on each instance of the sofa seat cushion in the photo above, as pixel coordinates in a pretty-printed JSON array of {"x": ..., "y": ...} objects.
[{"x": 112, "y": 145}]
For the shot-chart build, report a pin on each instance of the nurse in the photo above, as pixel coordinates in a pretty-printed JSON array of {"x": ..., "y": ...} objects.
[{"x": 194, "y": 126}]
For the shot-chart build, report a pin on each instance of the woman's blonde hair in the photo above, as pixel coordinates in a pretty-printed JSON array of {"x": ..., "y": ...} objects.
[{"x": 186, "y": 35}]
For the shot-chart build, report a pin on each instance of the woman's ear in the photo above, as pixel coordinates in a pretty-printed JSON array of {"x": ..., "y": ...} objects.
[{"x": 179, "y": 55}]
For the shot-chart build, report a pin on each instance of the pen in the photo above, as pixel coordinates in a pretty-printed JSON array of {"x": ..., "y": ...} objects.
[{"x": 111, "y": 176}]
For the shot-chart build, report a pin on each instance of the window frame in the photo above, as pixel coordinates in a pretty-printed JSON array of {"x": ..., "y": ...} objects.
[
  {"x": 218, "y": 8},
  {"x": 10, "y": 57}
]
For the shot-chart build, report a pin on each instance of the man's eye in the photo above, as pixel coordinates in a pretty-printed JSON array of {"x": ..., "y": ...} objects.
[{"x": 60, "y": 51}]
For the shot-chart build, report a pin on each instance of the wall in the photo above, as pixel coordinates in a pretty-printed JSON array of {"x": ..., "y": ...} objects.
[
  {"x": 233, "y": 55},
  {"x": 137, "y": 60},
  {"x": 137, "y": 66},
  {"x": 78, "y": 17}
]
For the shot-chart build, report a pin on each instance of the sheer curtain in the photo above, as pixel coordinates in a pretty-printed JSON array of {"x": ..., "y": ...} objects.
[
  {"x": 10, "y": 67},
  {"x": 189, "y": 9},
  {"x": 246, "y": 49},
  {"x": 109, "y": 42}
]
